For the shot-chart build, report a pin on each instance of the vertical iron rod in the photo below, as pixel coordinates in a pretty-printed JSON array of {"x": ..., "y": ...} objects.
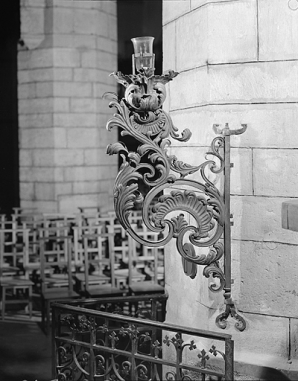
[
  {"x": 229, "y": 360},
  {"x": 227, "y": 229}
]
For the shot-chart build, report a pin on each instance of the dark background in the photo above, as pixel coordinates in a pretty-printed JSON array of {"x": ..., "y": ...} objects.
[{"x": 135, "y": 18}]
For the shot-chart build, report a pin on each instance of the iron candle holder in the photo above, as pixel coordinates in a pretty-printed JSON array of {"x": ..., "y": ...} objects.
[{"x": 141, "y": 116}]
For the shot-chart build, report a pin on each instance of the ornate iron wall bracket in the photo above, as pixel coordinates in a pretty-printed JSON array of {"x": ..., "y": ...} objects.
[{"x": 150, "y": 171}]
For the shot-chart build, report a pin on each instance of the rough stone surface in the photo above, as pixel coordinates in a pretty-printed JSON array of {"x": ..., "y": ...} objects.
[
  {"x": 278, "y": 30},
  {"x": 253, "y": 81},
  {"x": 217, "y": 33},
  {"x": 268, "y": 125},
  {"x": 239, "y": 83},
  {"x": 169, "y": 48},
  {"x": 173, "y": 9},
  {"x": 268, "y": 278},
  {"x": 259, "y": 219},
  {"x": 275, "y": 172},
  {"x": 71, "y": 50}
]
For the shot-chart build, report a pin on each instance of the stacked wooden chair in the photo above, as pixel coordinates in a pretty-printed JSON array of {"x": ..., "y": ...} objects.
[
  {"x": 50, "y": 257},
  {"x": 16, "y": 287}
]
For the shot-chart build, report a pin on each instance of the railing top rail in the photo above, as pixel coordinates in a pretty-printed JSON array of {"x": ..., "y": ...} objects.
[
  {"x": 145, "y": 322},
  {"x": 115, "y": 299}
]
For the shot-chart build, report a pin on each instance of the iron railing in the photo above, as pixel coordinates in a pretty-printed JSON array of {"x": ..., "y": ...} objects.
[{"x": 92, "y": 344}]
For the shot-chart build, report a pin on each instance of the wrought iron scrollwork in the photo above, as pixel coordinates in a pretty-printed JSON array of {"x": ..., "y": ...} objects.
[{"x": 140, "y": 115}]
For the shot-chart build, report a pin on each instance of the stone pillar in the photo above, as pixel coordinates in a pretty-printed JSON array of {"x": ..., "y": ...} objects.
[
  {"x": 238, "y": 64},
  {"x": 68, "y": 50}
]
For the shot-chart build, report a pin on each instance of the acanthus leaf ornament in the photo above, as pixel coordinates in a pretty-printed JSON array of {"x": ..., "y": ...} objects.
[{"x": 140, "y": 115}]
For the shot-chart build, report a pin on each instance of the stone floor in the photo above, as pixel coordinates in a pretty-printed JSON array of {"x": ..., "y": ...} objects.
[{"x": 25, "y": 352}]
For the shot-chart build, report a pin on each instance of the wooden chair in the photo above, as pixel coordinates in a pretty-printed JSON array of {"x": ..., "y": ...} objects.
[
  {"x": 14, "y": 246},
  {"x": 102, "y": 281},
  {"x": 96, "y": 251},
  {"x": 56, "y": 281},
  {"x": 145, "y": 260}
]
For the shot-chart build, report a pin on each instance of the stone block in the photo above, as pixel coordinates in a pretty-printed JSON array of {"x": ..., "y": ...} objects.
[
  {"x": 261, "y": 82},
  {"x": 74, "y": 120},
  {"x": 102, "y": 25},
  {"x": 99, "y": 90},
  {"x": 72, "y": 89},
  {"x": 290, "y": 215},
  {"x": 59, "y": 3},
  {"x": 41, "y": 58},
  {"x": 45, "y": 191},
  {"x": 169, "y": 46},
  {"x": 241, "y": 182},
  {"x": 82, "y": 173},
  {"x": 43, "y": 206},
  {"x": 83, "y": 105},
  {"x": 269, "y": 125},
  {"x": 62, "y": 74},
  {"x": 36, "y": 138},
  {"x": 27, "y": 191},
  {"x": 259, "y": 219},
  {"x": 62, "y": 21},
  {"x": 26, "y": 158},
  {"x": 269, "y": 278},
  {"x": 82, "y": 138},
  {"x": 33, "y": 3},
  {"x": 199, "y": 3},
  {"x": 106, "y": 172},
  {"x": 106, "y": 45},
  {"x": 84, "y": 41},
  {"x": 275, "y": 172},
  {"x": 35, "y": 120},
  {"x": 63, "y": 188},
  {"x": 27, "y": 91},
  {"x": 109, "y": 7},
  {"x": 60, "y": 137},
  {"x": 65, "y": 57},
  {"x": 86, "y": 187},
  {"x": 41, "y": 174},
  {"x": 24, "y": 60},
  {"x": 43, "y": 157},
  {"x": 62, "y": 41},
  {"x": 263, "y": 342},
  {"x": 85, "y": 21},
  {"x": 172, "y": 9},
  {"x": 219, "y": 33},
  {"x": 107, "y": 61},
  {"x": 44, "y": 89},
  {"x": 45, "y": 75},
  {"x": 32, "y": 20},
  {"x": 112, "y": 22},
  {"x": 61, "y": 105},
  {"x": 85, "y": 74},
  {"x": 71, "y": 203},
  {"x": 69, "y": 157},
  {"x": 278, "y": 31},
  {"x": 35, "y": 106},
  {"x": 92, "y": 156},
  {"x": 294, "y": 338}
]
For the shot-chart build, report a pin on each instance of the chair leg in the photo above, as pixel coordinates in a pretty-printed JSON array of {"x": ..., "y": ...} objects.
[
  {"x": 43, "y": 312},
  {"x": 3, "y": 301},
  {"x": 48, "y": 316},
  {"x": 30, "y": 301}
]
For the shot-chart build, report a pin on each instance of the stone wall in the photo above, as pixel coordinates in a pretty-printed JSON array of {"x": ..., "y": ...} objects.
[
  {"x": 68, "y": 50},
  {"x": 238, "y": 64}
]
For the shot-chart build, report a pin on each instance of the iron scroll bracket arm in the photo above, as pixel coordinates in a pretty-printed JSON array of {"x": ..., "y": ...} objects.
[
  {"x": 140, "y": 115},
  {"x": 230, "y": 310}
]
